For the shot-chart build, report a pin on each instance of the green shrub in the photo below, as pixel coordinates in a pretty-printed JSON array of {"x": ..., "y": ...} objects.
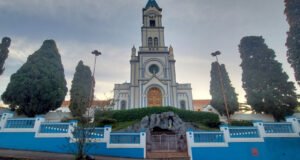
[
  {"x": 206, "y": 118},
  {"x": 105, "y": 121},
  {"x": 241, "y": 123}
]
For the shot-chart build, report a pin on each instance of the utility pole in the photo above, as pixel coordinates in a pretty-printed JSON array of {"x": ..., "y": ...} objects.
[{"x": 215, "y": 54}]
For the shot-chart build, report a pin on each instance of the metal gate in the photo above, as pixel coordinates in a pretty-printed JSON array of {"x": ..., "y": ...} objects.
[{"x": 164, "y": 142}]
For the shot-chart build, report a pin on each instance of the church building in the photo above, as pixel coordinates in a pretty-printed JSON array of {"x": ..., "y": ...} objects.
[{"x": 153, "y": 75}]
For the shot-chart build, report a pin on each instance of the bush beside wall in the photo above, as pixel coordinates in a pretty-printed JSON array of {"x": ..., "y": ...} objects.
[{"x": 206, "y": 118}]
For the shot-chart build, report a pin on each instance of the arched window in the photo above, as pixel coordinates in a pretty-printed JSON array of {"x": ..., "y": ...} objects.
[
  {"x": 150, "y": 42},
  {"x": 182, "y": 104},
  {"x": 155, "y": 42},
  {"x": 123, "y": 105},
  {"x": 152, "y": 23}
]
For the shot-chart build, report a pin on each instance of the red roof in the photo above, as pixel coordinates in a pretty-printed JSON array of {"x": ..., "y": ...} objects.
[
  {"x": 96, "y": 103},
  {"x": 199, "y": 102}
]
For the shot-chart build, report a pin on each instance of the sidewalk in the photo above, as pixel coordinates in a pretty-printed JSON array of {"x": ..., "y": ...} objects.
[{"x": 30, "y": 155}]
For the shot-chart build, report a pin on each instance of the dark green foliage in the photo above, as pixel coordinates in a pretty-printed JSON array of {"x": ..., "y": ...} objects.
[
  {"x": 81, "y": 90},
  {"x": 266, "y": 84},
  {"x": 4, "y": 52},
  {"x": 292, "y": 11},
  {"x": 105, "y": 121},
  {"x": 39, "y": 85},
  {"x": 216, "y": 90},
  {"x": 206, "y": 118},
  {"x": 241, "y": 123}
]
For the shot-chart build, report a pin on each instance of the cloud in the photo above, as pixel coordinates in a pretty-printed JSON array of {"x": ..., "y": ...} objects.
[{"x": 195, "y": 28}]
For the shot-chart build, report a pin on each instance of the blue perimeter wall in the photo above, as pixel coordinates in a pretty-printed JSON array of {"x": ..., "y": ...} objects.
[
  {"x": 27, "y": 141},
  {"x": 271, "y": 149}
]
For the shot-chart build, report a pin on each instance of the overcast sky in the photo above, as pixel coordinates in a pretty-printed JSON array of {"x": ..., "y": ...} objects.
[{"x": 195, "y": 28}]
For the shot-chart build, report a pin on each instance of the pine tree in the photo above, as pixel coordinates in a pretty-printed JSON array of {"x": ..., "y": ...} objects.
[
  {"x": 292, "y": 11},
  {"x": 265, "y": 83},
  {"x": 39, "y": 85},
  {"x": 81, "y": 90},
  {"x": 216, "y": 90},
  {"x": 4, "y": 52}
]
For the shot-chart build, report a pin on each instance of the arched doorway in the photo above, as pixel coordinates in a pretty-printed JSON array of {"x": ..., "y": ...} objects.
[{"x": 154, "y": 97}]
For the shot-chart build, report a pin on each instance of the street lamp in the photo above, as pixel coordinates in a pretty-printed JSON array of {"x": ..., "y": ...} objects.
[
  {"x": 215, "y": 54},
  {"x": 96, "y": 53}
]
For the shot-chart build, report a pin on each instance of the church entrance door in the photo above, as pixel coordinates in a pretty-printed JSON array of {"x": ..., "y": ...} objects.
[{"x": 154, "y": 97}]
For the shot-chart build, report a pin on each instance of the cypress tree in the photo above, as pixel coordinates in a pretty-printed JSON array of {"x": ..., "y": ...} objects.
[
  {"x": 292, "y": 11},
  {"x": 265, "y": 83},
  {"x": 4, "y": 52},
  {"x": 39, "y": 85},
  {"x": 216, "y": 90},
  {"x": 81, "y": 90}
]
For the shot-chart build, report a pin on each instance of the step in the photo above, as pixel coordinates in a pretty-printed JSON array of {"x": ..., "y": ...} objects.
[{"x": 168, "y": 155}]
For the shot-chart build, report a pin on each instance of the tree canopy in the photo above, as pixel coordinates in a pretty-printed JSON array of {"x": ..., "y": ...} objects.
[
  {"x": 292, "y": 11},
  {"x": 265, "y": 83},
  {"x": 39, "y": 85},
  {"x": 4, "y": 52},
  {"x": 81, "y": 90},
  {"x": 216, "y": 90}
]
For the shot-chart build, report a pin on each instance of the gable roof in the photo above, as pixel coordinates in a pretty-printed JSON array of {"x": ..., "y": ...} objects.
[{"x": 152, "y": 3}]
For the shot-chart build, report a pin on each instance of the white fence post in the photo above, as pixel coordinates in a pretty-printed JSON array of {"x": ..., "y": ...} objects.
[
  {"x": 143, "y": 141},
  {"x": 73, "y": 124},
  {"x": 37, "y": 123},
  {"x": 295, "y": 124},
  {"x": 4, "y": 118},
  {"x": 190, "y": 142},
  {"x": 260, "y": 127},
  {"x": 107, "y": 130},
  {"x": 225, "y": 130}
]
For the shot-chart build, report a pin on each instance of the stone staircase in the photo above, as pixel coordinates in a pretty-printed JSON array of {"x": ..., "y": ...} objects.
[{"x": 167, "y": 155}]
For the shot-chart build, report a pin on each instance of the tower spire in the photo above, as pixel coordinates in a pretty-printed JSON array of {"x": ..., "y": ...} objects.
[{"x": 152, "y": 3}]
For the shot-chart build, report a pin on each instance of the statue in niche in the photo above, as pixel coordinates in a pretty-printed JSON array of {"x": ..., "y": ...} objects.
[{"x": 170, "y": 122}]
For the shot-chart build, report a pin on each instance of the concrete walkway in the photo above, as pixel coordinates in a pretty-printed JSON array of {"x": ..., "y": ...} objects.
[{"x": 30, "y": 155}]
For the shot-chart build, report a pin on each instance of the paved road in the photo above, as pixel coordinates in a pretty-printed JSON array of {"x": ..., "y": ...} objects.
[{"x": 29, "y": 155}]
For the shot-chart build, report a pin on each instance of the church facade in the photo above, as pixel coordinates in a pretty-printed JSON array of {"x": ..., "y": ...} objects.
[{"x": 153, "y": 75}]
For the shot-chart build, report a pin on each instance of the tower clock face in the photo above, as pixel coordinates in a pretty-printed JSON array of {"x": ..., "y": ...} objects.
[
  {"x": 152, "y": 15},
  {"x": 154, "y": 69}
]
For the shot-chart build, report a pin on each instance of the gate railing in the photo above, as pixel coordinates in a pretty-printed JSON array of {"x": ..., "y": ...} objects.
[{"x": 165, "y": 142}]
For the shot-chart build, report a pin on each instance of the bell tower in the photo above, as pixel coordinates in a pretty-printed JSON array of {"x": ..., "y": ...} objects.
[
  {"x": 153, "y": 76},
  {"x": 152, "y": 29}
]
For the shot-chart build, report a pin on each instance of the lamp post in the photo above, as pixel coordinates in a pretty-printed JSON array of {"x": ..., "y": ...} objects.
[
  {"x": 96, "y": 53},
  {"x": 215, "y": 54}
]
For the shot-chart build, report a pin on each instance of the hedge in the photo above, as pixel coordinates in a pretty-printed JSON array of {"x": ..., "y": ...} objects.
[
  {"x": 241, "y": 123},
  {"x": 206, "y": 118}
]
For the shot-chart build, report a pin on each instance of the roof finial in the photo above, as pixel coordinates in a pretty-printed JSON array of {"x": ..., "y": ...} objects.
[
  {"x": 171, "y": 50},
  {"x": 133, "y": 51}
]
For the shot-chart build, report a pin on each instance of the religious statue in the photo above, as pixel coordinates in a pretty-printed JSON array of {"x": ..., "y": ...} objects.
[{"x": 4, "y": 52}]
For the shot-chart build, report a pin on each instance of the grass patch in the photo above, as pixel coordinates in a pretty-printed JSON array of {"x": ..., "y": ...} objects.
[
  {"x": 123, "y": 125},
  {"x": 205, "y": 128},
  {"x": 297, "y": 110}
]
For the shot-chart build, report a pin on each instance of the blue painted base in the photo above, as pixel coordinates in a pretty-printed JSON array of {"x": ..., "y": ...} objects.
[
  {"x": 27, "y": 141},
  {"x": 271, "y": 149}
]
